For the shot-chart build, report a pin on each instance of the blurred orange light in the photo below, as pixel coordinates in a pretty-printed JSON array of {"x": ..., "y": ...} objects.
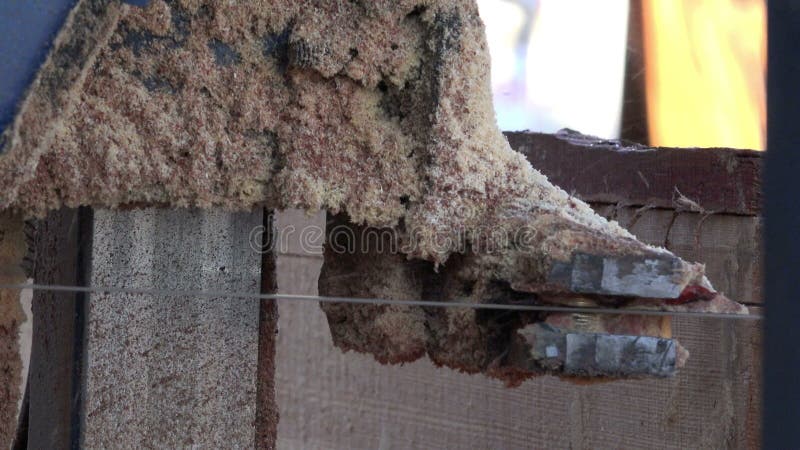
[{"x": 705, "y": 67}]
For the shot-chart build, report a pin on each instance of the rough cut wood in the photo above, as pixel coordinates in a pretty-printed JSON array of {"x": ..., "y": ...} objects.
[
  {"x": 189, "y": 359},
  {"x": 173, "y": 371},
  {"x": 719, "y": 180},
  {"x": 239, "y": 105},
  {"x": 379, "y": 111},
  {"x": 62, "y": 242},
  {"x": 266, "y": 404},
  {"x": 331, "y": 400}
]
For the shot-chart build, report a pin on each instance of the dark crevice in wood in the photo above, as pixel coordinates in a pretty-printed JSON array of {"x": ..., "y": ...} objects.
[
  {"x": 267, "y": 407},
  {"x": 21, "y": 439},
  {"x": 62, "y": 244},
  {"x": 82, "y": 277}
]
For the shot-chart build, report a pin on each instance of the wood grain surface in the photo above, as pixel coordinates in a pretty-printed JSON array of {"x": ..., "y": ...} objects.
[
  {"x": 331, "y": 400},
  {"x": 171, "y": 371},
  {"x": 718, "y": 180}
]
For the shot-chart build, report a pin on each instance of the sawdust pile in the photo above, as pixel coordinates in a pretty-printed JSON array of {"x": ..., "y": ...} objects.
[{"x": 380, "y": 111}]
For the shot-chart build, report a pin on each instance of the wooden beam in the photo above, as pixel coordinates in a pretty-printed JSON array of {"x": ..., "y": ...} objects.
[
  {"x": 62, "y": 242},
  {"x": 603, "y": 171},
  {"x": 170, "y": 370},
  {"x": 713, "y": 402}
]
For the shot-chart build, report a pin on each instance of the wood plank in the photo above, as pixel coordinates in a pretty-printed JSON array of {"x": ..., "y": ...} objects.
[
  {"x": 329, "y": 399},
  {"x": 602, "y": 171},
  {"x": 172, "y": 371},
  {"x": 266, "y": 404},
  {"x": 62, "y": 245},
  {"x": 333, "y": 400}
]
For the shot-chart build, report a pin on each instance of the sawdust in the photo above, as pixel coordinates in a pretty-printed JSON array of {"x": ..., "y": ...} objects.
[
  {"x": 378, "y": 110},
  {"x": 382, "y": 110}
]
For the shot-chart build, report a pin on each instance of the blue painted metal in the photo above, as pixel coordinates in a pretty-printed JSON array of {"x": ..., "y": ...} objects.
[
  {"x": 28, "y": 27},
  {"x": 28, "y": 31}
]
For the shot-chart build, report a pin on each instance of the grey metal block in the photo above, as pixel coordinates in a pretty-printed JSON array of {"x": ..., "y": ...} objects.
[{"x": 597, "y": 354}]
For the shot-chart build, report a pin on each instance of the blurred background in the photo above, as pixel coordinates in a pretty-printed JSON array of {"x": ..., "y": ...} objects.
[{"x": 683, "y": 73}]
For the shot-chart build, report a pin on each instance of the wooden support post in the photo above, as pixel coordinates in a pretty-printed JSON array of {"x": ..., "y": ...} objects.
[
  {"x": 171, "y": 370},
  {"x": 153, "y": 370},
  {"x": 62, "y": 242},
  {"x": 711, "y": 403}
]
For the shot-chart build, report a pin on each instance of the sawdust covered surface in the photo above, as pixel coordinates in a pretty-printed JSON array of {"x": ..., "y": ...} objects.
[{"x": 379, "y": 109}]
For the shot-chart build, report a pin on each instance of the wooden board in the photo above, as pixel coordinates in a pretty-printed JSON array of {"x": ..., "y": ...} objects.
[
  {"x": 127, "y": 370},
  {"x": 172, "y": 371},
  {"x": 62, "y": 241},
  {"x": 719, "y": 180},
  {"x": 266, "y": 403},
  {"x": 331, "y": 400}
]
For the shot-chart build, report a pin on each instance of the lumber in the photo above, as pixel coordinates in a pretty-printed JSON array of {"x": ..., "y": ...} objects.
[
  {"x": 167, "y": 370},
  {"x": 718, "y": 180},
  {"x": 379, "y": 113},
  {"x": 61, "y": 255},
  {"x": 712, "y": 402}
]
